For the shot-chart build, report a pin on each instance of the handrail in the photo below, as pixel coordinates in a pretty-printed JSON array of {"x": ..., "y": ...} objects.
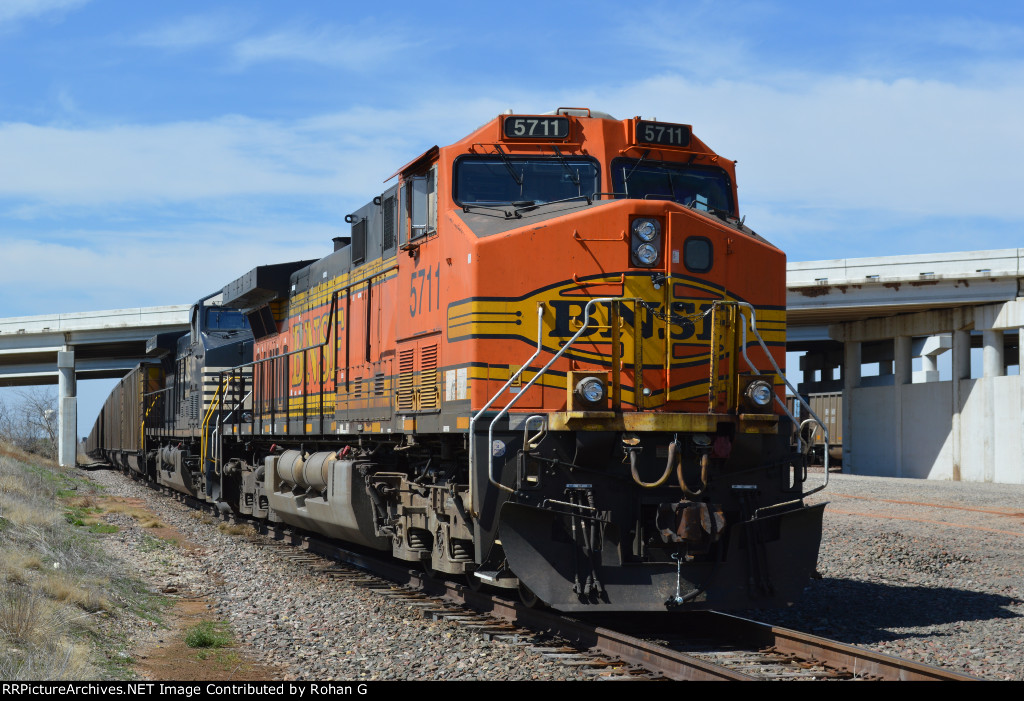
[
  {"x": 556, "y": 356},
  {"x": 473, "y": 419},
  {"x": 328, "y": 335},
  {"x": 771, "y": 359},
  {"x": 142, "y": 427},
  {"x": 205, "y": 425},
  {"x": 234, "y": 409}
]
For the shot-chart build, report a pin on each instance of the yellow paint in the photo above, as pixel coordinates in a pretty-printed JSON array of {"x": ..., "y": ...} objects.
[{"x": 500, "y": 318}]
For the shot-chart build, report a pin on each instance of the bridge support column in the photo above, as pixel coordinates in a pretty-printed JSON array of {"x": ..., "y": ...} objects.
[
  {"x": 851, "y": 381},
  {"x": 903, "y": 375},
  {"x": 961, "y": 371},
  {"x": 994, "y": 354},
  {"x": 67, "y": 435}
]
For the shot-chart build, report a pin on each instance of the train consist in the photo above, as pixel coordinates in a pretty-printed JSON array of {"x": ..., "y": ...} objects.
[{"x": 547, "y": 358}]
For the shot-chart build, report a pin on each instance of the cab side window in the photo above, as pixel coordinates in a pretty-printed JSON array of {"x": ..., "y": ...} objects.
[{"x": 420, "y": 194}]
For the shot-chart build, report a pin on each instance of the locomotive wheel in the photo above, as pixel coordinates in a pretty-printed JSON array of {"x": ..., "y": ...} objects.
[
  {"x": 529, "y": 599},
  {"x": 430, "y": 574}
]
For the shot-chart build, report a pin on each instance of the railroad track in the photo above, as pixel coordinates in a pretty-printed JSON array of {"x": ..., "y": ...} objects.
[{"x": 699, "y": 646}]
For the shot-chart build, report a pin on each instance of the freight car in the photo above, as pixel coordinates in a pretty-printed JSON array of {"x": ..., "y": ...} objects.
[
  {"x": 828, "y": 406},
  {"x": 547, "y": 358}
]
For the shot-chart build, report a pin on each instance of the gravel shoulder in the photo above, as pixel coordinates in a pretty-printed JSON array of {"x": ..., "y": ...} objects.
[
  {"x": 929, "y": 571},
  {"x": 926, "y": 570},
  {"x": 289, "y": 622}
]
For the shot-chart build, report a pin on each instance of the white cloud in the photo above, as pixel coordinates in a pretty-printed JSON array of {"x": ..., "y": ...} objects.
[
  {"x": 352, "y": 48},
  {"x": 907, "y": 146},
  {"x": 345, "y": 154},
  {"x": 170, "y": 162},
  {"x": 13, "y": 10},
  {"x": 970, "y": 33},
  {"x": 193, "y": 31},
  {"x": 95, "y": 272}
]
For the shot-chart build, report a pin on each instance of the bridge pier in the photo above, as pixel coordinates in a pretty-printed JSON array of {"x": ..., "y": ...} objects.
[{"x": 67, "y": 434}]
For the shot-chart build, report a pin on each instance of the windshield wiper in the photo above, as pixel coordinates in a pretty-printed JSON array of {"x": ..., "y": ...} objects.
[
  {"x": 508, "y": 164},
  {"x": 565, "y": 164},
  {"x": 635, "y": 165}
]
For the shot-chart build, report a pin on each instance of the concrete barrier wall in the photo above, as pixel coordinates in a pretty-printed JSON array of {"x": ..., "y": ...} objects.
[
  {"x": 873, "y": 424},
  {"x": 927, "y": 446},
  {"x": 992, "y": 445}
]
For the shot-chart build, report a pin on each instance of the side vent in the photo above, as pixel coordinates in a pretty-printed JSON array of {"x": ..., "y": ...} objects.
[
  {"x": 389, "y": 223},
  {"x": 359, "y": 241},
  {"x": 429, "y": 399},
  {"x": 406, "y": 380}
]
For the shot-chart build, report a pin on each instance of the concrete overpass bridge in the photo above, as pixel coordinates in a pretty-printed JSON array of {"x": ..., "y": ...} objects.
[
  {"x": 861, "y": 323},
  {"x": 926, "y": 351},
  {"x": 61, "y": 348}
]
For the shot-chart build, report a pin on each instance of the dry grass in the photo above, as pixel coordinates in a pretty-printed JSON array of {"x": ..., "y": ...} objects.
[
  {"x": 202, "y": 517},
  {"x": 72, "y": 590},
  {"x": 17, "y": 566},
  {"x": 12, "y": 484},
  {"x": 138, "y": 513},
  {"x": 25, "y": 616},
  {"x": 87, "y": 501},
  {"x": 237, "y": 529},
  {"x": 53, "y": 578},
  {"x": 11, "y": 451},
  {"x": 36, "y": 627},
  {"x": 25, "y": 514}
]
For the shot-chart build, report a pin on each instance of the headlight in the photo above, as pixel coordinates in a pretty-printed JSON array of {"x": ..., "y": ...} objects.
[
  {"x": 646, "y": 229},
  {"x": 590, "y": 389},
  {"x": 760, "y": 393},
  {"x": 646, "y": 253}
]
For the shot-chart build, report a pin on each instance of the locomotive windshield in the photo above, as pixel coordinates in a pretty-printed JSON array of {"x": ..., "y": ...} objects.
[
  {"x": 219, "y": 319},
  {"x": 702, "y": 187},
  {"x": 487, "y": 180}
]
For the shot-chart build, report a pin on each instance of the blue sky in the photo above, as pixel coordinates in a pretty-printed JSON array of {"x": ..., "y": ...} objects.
[{"x": 180, "y": 144}]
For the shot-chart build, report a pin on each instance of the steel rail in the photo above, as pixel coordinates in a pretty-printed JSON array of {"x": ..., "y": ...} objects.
[
  {"x": 626, "y": 645},
  {"x": 857, "y": 660}
]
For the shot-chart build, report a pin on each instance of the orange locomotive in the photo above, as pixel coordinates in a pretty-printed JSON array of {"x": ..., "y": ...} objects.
[{"x": 547, "y": 358}]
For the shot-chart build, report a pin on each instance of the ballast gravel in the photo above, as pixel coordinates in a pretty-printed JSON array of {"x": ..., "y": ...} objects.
[
  {"x": 310, "y": 626},
  {"x": 926, "y": 570}
]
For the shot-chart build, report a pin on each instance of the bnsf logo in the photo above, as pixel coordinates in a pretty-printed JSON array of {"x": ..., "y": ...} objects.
[{"x": 569, "y": 315}]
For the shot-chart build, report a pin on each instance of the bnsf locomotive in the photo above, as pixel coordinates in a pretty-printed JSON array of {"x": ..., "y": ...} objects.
[{"x": 547, "y": 358}]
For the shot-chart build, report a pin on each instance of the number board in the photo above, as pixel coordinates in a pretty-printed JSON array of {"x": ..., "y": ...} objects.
[
  {"x": 662, "y": 133},
  {"x": 519, "y": 127}
]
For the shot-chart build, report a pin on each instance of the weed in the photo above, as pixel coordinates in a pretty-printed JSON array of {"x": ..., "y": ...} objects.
[
  {"x": 23, "y": 616},
  {"x": 150, "y": 544},
  {"x": 208, "y": 635},
  {"x": 117, "y": 507}
]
